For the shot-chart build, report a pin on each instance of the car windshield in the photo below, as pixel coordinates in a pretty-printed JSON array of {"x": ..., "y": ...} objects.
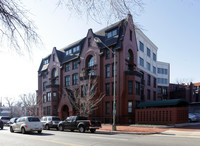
[
  {"x": 33, "y": 119},
  {"x": 5, "y": 118},
  {"x": 56, "y": 119}
]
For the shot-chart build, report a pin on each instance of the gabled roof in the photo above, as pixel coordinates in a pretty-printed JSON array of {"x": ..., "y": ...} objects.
[
  {"x": 102, "y": 34},
  {"x": 163, "y": 103}
]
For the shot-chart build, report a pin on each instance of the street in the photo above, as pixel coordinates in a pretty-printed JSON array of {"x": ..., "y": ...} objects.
[{"x": 53, "y": 137}]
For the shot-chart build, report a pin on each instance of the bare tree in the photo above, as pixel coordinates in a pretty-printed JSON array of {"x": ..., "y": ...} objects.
[
  {"x": 16, "y": 27},
  {"x": 10, "y": 103},
  {"x": 84, "y": 99},
  {"x": 29, "y": 103},
  {"x": 99, "y": 10}
]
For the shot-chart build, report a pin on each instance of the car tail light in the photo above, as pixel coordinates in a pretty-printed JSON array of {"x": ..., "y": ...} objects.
[
  {"x": 51, "y": 122},
  {"x": 90, "y": 123},
  {"x": 26, "y": 126}
]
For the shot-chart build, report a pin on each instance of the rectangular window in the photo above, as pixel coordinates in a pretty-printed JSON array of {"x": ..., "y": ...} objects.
[
  {"x": 67, "y": 81},
  {"x": 112, "y": 33},
  {"x": 107, "y": 108},
  {"x": 89, "y": 42},
  {"x": 131, "y": 35},
  {"x": 141, "y": 47},
  {"x": 76, "y": 49},
  {"x": 67, "y": 67},
  {"x": 107, "y": 70},
  {"x": 154, "y": 82},
  {"x": 148, "y": 94},
  {"x": 107, "y": 89},
  {"x": 154, "y": 57},
  {"x": 113, "y": 88},
  {"x": 148, "y": 52},
  {"x": 154, "y": 69},
  {"x": 54, "y": 96},
  {"x": 75, "y": 64},
  {"x": 44, "y": 98},
  {"x": 48, "y": 110},
  {"x": 130, "y": 87},
  {"x": 137, "y": 88},
  {"x": 75, "y": 79},
  {"x": 164, "y": 91},
  {"x": 148, "y": 66},
  {"x": 54, "y": 110},
  {"x": 154, "y": 95},
  {"x": 130, "y": 107},
  {"x": 114, "y": 71},
  {"x": 141, "y": 62},
  {"x": 44, "y": 111},
  {"x": 44, "y": 86},
  {"x": 107, "y": 53},
  {"x": 49, "y": 96},
  {"x": 68, "y": 52},
  {"x": 159, "y": 90},
  {"x": 149, "y": 80}
]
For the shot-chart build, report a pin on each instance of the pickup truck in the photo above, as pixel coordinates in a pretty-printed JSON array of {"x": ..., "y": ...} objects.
[{"x": 79, "y": 123}]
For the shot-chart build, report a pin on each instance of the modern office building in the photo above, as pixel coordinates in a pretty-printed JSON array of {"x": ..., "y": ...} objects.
[{"x": 155, "y": 74}]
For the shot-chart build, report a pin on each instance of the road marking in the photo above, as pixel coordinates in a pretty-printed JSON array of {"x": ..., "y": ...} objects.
[{"x": 179, "y": 136}]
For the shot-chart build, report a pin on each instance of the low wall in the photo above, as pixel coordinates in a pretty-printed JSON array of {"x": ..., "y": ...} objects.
[{"x": 168, "y": 115}]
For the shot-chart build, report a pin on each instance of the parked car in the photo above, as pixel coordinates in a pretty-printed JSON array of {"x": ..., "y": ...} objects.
[
  {"x": 50, "y": 122},
  {"x": 197, "y": 116},
  {"x": 12, "y": 120},
  {"x": 1, "y": 124},
  {"x": 5, "y": 119},
  {"x": 192, "y": 117},
  {"x": 27, "y": 124},
  {"x": 79, "y": 123}
]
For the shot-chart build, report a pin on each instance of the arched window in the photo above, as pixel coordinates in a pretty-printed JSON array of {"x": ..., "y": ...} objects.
[
  {"x": 130, "y": 56},
  {"x": 54, "y": 74},
  {"x": 130, "y": 60},
  {"x": 90, "y": 64},
  {"x": 90, "y": 61}
]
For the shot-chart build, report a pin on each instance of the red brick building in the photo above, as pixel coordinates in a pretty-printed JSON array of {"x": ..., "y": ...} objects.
[{"x": 64, "y": 69}]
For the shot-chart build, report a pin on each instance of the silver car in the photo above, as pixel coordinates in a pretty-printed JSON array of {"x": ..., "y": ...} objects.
[{"x": 27, "y": 124}]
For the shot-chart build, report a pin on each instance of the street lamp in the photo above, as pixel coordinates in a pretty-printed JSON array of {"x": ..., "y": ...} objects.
[{"x": 97, "y": 40}]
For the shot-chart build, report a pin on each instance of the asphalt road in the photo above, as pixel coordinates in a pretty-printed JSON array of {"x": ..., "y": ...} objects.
[{"x": 57, "y": 138}]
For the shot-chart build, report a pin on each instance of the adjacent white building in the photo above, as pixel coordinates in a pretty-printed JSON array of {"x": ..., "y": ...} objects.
[{"x": 147, "y": 62}]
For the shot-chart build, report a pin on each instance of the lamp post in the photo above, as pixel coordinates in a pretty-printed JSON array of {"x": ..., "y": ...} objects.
[{"x": 97, "y": 40}]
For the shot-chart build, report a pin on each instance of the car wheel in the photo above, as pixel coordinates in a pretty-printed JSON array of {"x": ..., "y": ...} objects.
[
  {"x": 23, "y": 130},
  {"x": 92, "y": 130},
  {"x": 61, "y": 128},
  {"x": 11, "y": 129},
  {"x": 47, "y": 127},
  {"x": 81, "y": 129},
  {"x": 40, "y": 131}
]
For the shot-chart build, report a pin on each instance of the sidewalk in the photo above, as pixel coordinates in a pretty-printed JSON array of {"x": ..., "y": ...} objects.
[{"x": 152, "y": 129}]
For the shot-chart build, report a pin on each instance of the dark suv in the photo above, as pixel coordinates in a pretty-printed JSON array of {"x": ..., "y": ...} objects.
[{"x": 50, "y": 122}]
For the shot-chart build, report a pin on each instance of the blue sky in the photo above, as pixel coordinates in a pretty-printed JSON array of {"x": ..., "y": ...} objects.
[{"x": 172, "y": 25}]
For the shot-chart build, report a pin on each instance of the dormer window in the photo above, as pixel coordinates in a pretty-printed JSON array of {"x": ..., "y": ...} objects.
[
  {"x": 72, "y": 50},
  {"x": 76, "y": 49},
  {"x": 112, "y": 33},
  {"x": 68, "y": 52},
  {"x": 46, "y": 61}
]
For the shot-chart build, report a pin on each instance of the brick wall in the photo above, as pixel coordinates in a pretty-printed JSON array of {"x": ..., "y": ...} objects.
[{"x": 168, "y": 115}]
